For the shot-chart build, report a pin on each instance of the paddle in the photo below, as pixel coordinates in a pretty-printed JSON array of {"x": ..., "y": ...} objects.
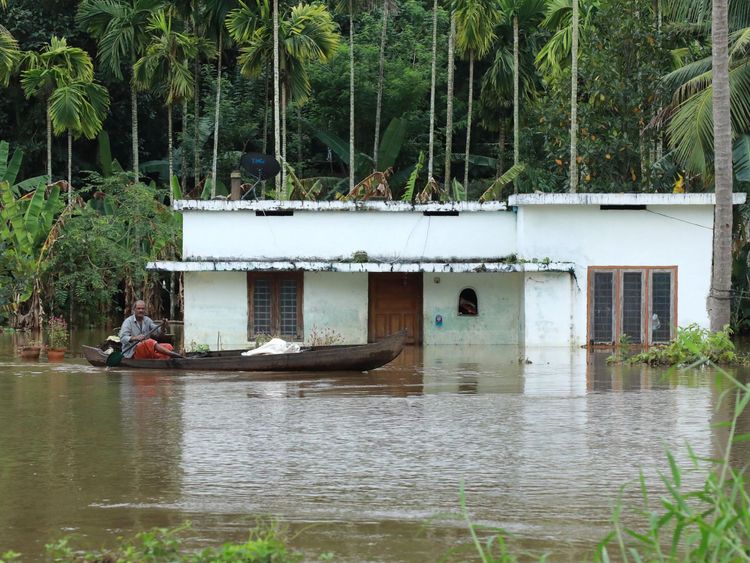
[{"x": 114, "y": 359}]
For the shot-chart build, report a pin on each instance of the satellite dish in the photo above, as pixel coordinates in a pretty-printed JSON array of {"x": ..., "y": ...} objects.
[{"x": 260, "y": 166}]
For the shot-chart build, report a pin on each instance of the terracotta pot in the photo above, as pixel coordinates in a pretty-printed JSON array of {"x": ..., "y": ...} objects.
[
  {"x": 30, "y": 352},
  {"x": 55, "y": 354}
]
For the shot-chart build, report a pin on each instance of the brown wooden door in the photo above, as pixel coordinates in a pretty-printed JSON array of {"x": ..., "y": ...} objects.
[{"x": 395, "y": 304}]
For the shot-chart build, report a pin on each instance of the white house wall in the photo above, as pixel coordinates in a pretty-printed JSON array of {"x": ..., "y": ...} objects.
[
  {"x": 670, "y": 235},
  {"x": 499, "y": 301},
  {"x": 549, "y": 308},
  {"x": 336, "y": 302},
  {"x": 243, "y": 235},
  {"x": 216, "y": 309}
]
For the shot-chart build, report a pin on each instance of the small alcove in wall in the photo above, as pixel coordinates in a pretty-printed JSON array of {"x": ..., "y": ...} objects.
[{"x": 468, "y": 304}]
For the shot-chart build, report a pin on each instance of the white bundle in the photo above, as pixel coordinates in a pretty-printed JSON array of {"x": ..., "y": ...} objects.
[{"x": 274, "y": 346}]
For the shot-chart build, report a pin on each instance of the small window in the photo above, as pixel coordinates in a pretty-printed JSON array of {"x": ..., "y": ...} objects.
[
  {"x": 275, "y": 304},
  {"x": 467, "y": 303}
]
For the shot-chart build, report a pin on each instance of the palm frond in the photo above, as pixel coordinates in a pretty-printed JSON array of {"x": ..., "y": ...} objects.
[{"x": 691, "y": 131}]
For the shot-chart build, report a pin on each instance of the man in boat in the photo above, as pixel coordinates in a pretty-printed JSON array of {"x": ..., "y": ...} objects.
[{"x": 139, "y": 328}]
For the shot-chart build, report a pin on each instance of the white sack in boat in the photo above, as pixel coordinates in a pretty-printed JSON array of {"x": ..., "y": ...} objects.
[{"x": 274, "y": 346}]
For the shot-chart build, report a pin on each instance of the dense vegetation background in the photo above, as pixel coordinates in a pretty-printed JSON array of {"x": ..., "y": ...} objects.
[{"x": 643, "y": 117}]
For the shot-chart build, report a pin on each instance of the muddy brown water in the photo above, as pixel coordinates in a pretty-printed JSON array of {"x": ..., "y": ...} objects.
[{"x": 367, "y": 467}]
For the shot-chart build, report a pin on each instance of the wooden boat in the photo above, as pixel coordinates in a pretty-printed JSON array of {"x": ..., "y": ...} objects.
[{"x": 361, "y": 357}]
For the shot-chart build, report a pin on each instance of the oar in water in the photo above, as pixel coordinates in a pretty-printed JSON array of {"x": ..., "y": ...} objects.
[{"x": 114, "y": 359}]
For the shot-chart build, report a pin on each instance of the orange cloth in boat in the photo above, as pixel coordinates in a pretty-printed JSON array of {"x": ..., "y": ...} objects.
[{"x": 146, "y": 350}]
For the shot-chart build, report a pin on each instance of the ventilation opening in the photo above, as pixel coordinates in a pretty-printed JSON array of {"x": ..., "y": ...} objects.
[
  {"x": 440, "y": 213},
  {"x": 275, "y": 213},
  {"x": 468, "y": 305},
  {"x": 622, "y": 207}
]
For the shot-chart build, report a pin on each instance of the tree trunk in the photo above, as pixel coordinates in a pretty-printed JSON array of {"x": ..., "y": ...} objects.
[
  {"x": 169, "y": 153},
  {"x": 516, "y": 88},
  {"x": 501, "y": 151},
  {"x": 431, "y": 145},
  {"x": 468, "y": 123},
  {"x": 265, "y": 116},
  {"x": 134, "y": 130},
  {"x": 379, "y": 102},
  {"x": 49, "y": 144},
  {"x": 215, "y": 158},
  {"x": 574, "y": 101},
  {"x": 449, "y": 118},
  {"x": 719, "y": 301},
  {"x": 196, "y": 112},
  {"x": 70, "y": 168},
  {"x": 276, "y": 100},
  {"x": 283, "y": 137},
  {"x": 183, "y": 152},
  {"x": 351, "y": 95},
  {"x": 299, "y": 141}
]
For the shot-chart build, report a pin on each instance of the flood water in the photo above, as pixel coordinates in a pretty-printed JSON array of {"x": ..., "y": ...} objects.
[{"x": 365, "y": 466}]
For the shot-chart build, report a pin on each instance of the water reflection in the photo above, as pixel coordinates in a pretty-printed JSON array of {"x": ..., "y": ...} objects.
[{"x": 542, "y": 441}]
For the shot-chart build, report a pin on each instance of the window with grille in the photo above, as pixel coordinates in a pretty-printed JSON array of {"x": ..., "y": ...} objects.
[
  {"x": 634, "y": 302},
  {"x": 275, "y": 303}
]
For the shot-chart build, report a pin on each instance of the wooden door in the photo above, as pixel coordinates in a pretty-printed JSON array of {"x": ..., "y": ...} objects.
[{"x": 395, "y": 304}]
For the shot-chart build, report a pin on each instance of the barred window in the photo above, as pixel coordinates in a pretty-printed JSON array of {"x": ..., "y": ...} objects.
[{"x": 275, "y": 304}]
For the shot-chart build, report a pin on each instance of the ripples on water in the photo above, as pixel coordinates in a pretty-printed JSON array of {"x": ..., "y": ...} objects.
[{"x": 541, "y": 449}]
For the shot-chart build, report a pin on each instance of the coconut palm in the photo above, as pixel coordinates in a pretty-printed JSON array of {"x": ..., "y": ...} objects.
[
  {"x": 57, "y": 65},
  {"x": 78, "y": 108},
  {"x": 475, "y": 33},
  {"x": 721, "y": 275},
  {"x": 164, "y": 68},
  {"x": 526, "y": 14},
  {"x": 306, "y": 33},
  {"x": 433, "y": 75},
  {"x": 690, "y": 125},
  {"x": 120, "y": 29},
  {"x": 449, "y": 103}
]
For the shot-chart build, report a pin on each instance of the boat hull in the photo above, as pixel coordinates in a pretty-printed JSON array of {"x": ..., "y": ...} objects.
[{"x": 361, "y": 357}]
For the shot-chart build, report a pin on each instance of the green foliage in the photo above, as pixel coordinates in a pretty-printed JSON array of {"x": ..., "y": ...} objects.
[
  {"x": 57, "y": 332},
  {"x": 412, "y": 181},
  {"x": 692, "y": 345},
  {"x": 164, "y": 545}
]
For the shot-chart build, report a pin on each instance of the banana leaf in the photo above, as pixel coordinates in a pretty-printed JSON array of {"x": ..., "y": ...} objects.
[
  {"x": 9, "y": 168},
  {"x": 105, "y": 153},
  {"x": 29, "y": 184},
  {"x": 476, "y": 160},
  {"x": 493, "y": 192},
  {"x": 412, "y": 181},
  {"x": 390, "y": 144},
  {"x": 741, "y": 157}
]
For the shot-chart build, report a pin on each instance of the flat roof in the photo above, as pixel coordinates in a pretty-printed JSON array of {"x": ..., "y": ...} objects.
[
  {"x": 383, "y": 206},
  {"x": 619, "y": 199},
  {"x": 351, "y": 267}
]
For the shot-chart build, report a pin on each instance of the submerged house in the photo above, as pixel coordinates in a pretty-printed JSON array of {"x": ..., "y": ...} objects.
[{"x": 541, "y": 270}]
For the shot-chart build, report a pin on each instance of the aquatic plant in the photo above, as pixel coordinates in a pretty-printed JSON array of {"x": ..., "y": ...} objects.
[
  {"x": 166, "y": 545},
  {"x": 691, "y": 345}
]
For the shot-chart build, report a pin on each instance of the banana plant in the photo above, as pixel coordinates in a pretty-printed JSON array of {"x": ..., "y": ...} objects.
[{"x": 9, "y": 167}]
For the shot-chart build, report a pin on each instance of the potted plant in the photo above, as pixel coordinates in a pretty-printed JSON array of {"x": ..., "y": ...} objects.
[
  {"x": 30, "y": 349},
  {"x": 57, "y": 335}
]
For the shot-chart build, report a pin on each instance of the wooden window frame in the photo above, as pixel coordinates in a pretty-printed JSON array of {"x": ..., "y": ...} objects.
[
  {"x": 275, "y": 279},
  {"x": 646, "y": 301}
]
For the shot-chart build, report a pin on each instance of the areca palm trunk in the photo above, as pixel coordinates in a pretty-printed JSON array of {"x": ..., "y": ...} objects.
[
  {"x": 721, "y": 276},
  {"x": 183, "y": 152},
  {"x": 215, "y": 158},
  {"x": 276, "y": 101},
  {"x": 70, "y": 168},
  {"x": 283, "y": 137},
  {"x": 468, "y": 122},
  {"x": 196, "y": 111},
  {"x": 169, "y": 153},
  {"x": 134, "y": 129},
  {"x": 431, "y": 145},
  {"x": 379, "y": 102},
  {"x": 351, "y": 95},
  {"x": 49, "y": 143},
  {"x": 449, "y": 111},
  {"x": 516, "y": 88},
  {"x": 574, "y": 101}
]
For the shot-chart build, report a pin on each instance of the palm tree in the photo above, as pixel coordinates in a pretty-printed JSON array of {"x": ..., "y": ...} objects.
[
  {"x": 164, "y": 67},
  {"x": 306, "y": 33},
  {"x": 475, "y": 33},
  {"x": 78, "y": 108},
  {"x": 433, "y": 75},
  {"x": 57, "y": 65},
  {"x": 721, "y": 275},
  {"x": 517, "y": 13},
  {"x": 449, "y": 108},
  {"x": 574, "y": 100},
  {"x": 120, "y": 28},
  {"x": 10, "y": 55},
  {"x": 381, "y": 67},
  {"x": 217, "y": 11}
]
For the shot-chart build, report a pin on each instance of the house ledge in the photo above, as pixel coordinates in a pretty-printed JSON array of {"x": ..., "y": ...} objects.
[
  {"x": 626, "y": 199},
  {"x": 383, "y": 206},
  {"x": 352, "y": 267}
]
